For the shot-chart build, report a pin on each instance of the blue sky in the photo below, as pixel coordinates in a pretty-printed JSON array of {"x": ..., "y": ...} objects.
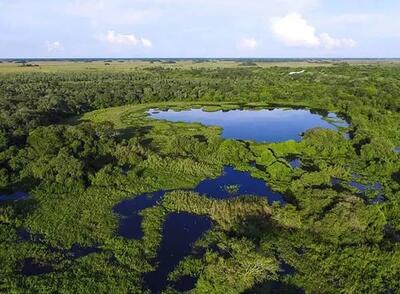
[{"x": 199, "y": 28}]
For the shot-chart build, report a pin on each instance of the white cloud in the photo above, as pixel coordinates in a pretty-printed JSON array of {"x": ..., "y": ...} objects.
[
  {"x": 114, "y": 38},
  {"x": 247, "y": 43},
  {"x": 117, "y": 39},
  {"x": 331, "y": 43},
  {"x": 53, "y": 46},
  {"x": 295, "y": 31},
  {"x": 146, "y": 43}
]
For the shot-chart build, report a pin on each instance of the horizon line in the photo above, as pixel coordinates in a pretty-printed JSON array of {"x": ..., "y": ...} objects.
[{"x": 205, "y": 58}]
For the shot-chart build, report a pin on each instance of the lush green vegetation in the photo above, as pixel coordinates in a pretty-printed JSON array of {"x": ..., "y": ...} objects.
[{"x": 77, "y": 157}]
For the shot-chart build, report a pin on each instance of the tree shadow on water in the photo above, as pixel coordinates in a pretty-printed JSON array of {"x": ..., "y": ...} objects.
[
  {"x": 275, "y": 287},
  {"x": 256, "y": 227},
  {"x": 396, "y": 176}
]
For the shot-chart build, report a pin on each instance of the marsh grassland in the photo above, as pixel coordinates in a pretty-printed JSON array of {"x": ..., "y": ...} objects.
[{"x": 259, "y": 182}]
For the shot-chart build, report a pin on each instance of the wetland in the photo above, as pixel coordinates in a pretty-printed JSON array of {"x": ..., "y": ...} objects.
[{"x": 170, "y": 180}]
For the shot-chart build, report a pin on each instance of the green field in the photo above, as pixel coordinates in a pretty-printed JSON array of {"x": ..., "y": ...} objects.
[{"x": 130, "y": 65}]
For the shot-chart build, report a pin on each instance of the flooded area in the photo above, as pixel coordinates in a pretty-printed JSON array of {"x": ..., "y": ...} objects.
[
  {"x": 265, "y": 125},
  {"x": 232, "y": 183},
  {"x": 181, "y": 230}
]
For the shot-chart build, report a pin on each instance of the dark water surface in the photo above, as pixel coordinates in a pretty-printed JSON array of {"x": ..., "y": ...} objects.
[
  {"x": 364, "y": 189},
  {"x": 266, "y": 125},
  {"x": 181, "y": 230},
  {"x": 33, "y": 267},
  {"x": 130, "y": 220},
  {"x": 231, "y": 183},
  {"x": 14, "y": 197}
]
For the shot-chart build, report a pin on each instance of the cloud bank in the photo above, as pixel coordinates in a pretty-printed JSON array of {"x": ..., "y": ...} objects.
[
  {"x": 200, "y": 28},
  {"x": 117, "y": 39},
  {"x": 294, "y": 31}
]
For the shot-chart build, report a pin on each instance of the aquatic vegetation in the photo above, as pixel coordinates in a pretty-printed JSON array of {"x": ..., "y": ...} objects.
[
  {"x": 106, "y": 185},
  {"x": 231, "y": 189}
]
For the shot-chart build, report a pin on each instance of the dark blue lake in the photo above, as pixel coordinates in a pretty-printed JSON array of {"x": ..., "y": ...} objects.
[
  {"x": 232, "y": 183},
  {"x": 266, "y": 125},
  {"x": 130, "y": 220},
  {"x": 181, "y": 230},
  {"x": 14, "y": 197}
]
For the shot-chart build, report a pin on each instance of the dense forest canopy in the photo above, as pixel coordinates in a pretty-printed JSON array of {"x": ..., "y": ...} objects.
[{"x": 79, "y": 142}]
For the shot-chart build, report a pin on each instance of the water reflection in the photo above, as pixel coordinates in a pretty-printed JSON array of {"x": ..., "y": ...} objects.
[
  {"x": 295, "y": 163},
  {"x": 266, "y": 125}
]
